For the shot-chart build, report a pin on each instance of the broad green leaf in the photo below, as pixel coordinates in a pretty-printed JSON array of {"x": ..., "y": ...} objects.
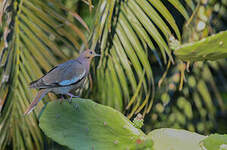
[
  {"x": 215, "y": 142},
  {"x": 175, "y": 139},
  {"x": 211, "y": 48},
  {"x": 84, "y": 125}
]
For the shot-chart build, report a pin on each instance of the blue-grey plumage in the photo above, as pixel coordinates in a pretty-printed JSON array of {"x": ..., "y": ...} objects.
[{"x": 63, "y": 78}]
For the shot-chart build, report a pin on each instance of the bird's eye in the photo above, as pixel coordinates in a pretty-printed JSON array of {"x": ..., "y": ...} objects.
[{"x": 91, "y": 52}]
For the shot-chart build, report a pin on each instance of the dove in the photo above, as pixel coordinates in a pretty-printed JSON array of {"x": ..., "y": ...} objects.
[{"x": 63, "y": 78}]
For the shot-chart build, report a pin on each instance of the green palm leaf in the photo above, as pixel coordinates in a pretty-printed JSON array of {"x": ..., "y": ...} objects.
[
  {"x": 123, "y": 31},
  {"x": 35, "y": 32}
]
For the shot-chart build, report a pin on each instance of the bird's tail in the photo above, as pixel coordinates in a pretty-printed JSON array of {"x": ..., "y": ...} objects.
[{"x": 36, "y": 100}]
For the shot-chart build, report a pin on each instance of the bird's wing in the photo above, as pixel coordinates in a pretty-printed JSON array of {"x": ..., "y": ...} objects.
[
  {"x": 64, "y": 74},
  {"x": 73, "y": 75}
]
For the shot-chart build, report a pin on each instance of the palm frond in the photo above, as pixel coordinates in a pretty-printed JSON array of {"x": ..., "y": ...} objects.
[
  {"x": 35, "y": 32},
  {"x": 128, "y": 34}
]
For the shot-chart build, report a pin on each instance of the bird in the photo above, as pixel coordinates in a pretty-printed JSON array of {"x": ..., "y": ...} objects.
[{"x": 64, "y": 78}]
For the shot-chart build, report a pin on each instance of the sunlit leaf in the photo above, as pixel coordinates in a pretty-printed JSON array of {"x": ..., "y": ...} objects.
[{"x": 211, "y": 48}]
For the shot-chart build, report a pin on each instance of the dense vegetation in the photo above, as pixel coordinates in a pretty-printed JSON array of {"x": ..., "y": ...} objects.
[{"x": 163, "y": 59}]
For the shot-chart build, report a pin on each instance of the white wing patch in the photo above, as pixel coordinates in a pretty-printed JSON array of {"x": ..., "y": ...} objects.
[{"x": 73, "y": 80}]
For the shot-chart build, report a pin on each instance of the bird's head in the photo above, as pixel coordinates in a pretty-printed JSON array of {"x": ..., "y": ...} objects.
[{"x": 89, "y": 54}]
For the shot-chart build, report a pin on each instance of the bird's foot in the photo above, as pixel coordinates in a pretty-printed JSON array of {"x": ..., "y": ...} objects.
[
  {"x": 71, "y": 96},
  {"x": 61, "y": 100},
  {"x": 70, "y": 100}
]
